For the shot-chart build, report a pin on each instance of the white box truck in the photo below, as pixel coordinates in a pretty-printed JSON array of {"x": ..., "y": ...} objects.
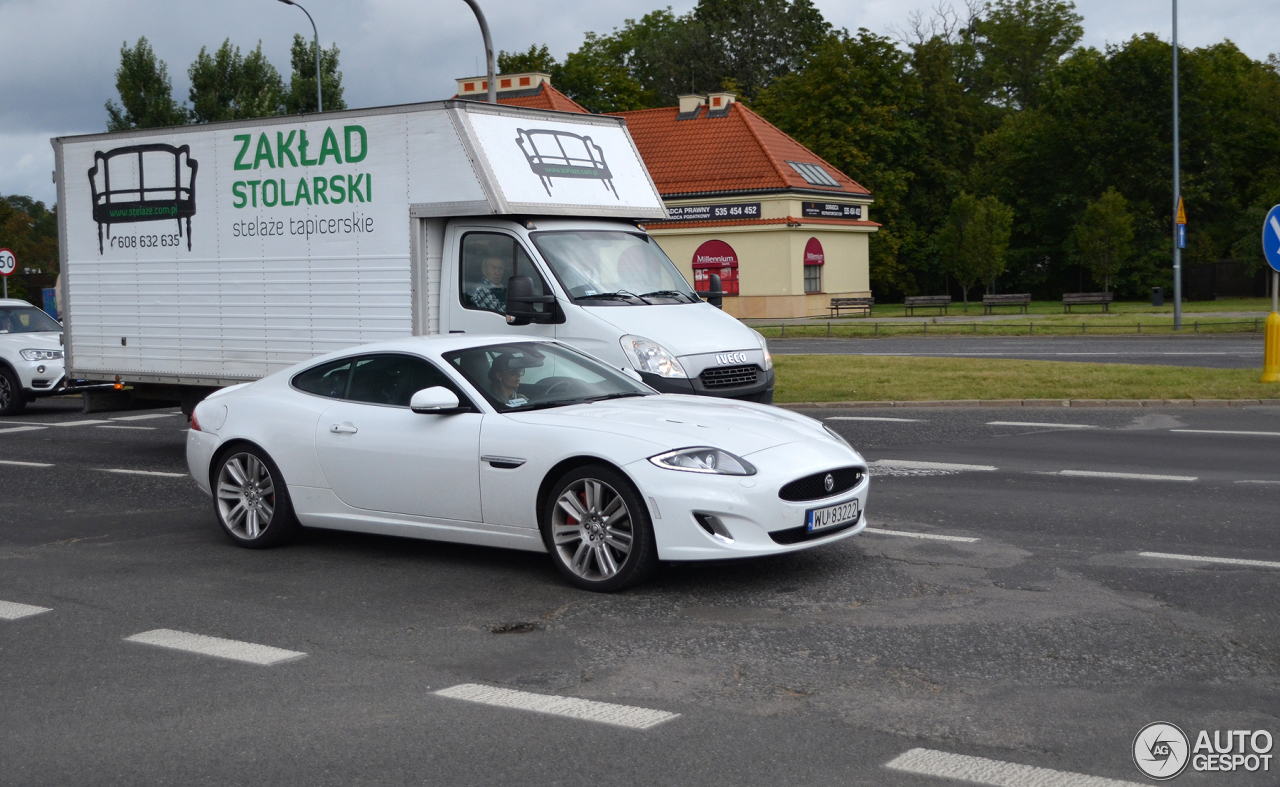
[{"x": 203, "y": 256}]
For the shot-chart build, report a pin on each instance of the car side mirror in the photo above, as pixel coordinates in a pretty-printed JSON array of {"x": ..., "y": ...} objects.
[
  {"x": 521, "y": 303},
  {"x": 437, "y": 400},
  {"x": 714, "y": 295}
]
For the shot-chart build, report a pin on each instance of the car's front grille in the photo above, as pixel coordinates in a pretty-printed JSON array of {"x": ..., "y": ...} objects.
[
  {"x": 814, "y": 487},
  {"x": 729, "y": 376},
  {"x": 795, "y": 535}
]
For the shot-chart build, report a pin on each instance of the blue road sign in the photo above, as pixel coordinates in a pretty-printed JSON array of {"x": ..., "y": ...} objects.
[
  {"x": 1182, "y": 236},
  {"x": 1271, "y": 238}
]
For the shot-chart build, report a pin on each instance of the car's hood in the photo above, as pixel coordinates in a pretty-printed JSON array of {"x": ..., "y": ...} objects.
[
  {"x": 43, "y": 340},
  {"x": 673, "y": 421},
  {"x": 684, "y": 329}
]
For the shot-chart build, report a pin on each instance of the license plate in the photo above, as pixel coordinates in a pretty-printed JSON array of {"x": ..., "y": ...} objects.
[{"x": 832, "y": 516}]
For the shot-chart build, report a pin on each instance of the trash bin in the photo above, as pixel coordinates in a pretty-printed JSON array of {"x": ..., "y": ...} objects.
[{"x": 1157, "y": 296}]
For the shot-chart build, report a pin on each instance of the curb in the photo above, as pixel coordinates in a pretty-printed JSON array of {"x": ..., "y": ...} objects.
[{"x": 1038, "y": 403}]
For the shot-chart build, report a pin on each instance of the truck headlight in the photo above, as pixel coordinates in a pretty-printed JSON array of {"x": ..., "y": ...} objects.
[
  {"x": 704, "y": 460},
  {"x": 41, "y": 355},
  {"x": 764, "y": 347},
  {"x": 651, "y": 357}
]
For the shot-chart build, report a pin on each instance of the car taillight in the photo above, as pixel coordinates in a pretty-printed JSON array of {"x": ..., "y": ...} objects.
[{"x": 195, "y": 425}]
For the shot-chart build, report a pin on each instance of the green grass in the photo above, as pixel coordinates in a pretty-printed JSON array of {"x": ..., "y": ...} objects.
[
  {"x": 1038, "y": 325},
  {"x": 1223, "y": 305},
  {"x": 836, "y": 378}
]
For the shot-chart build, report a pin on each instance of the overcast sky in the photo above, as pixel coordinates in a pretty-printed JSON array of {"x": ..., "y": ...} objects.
[{"x": 58, "y": 57}]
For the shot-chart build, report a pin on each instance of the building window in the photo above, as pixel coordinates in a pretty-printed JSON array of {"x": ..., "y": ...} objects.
[{"x": 813, "y": 278}]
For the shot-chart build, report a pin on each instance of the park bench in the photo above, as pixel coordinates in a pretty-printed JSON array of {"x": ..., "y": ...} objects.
[
  {"x": 1022, "y": 300},
  {"x": 862, "y": 305},
  {"x": 1070, "y": 299},
  {"x": 941, "y": 302}
]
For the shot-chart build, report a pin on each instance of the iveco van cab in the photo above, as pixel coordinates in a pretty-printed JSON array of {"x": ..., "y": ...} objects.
[{"x": 204, "y": 256}]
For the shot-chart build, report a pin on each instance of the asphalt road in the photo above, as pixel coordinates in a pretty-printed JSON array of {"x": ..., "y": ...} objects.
[
  {"x": 1025, "y": 627},
  {"x": 1236, "y": 351}
]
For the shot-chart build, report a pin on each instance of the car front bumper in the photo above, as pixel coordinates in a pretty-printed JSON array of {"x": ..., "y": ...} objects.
[
  {"x": 40, "y": 378},
  {"x": 757, "y": 519}
]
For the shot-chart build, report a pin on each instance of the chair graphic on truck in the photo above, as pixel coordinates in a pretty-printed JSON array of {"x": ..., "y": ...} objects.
[
  {"x": 148, "y": 186},
  {"x": 560, "y": 154}
]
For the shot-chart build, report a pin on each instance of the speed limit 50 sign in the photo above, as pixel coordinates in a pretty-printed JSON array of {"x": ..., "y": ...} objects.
[{"x": 8, "y": 262}]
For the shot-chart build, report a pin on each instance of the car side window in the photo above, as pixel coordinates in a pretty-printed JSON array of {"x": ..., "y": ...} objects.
[
  {"x": 393, "y": 379},
  {"x": 327, "y": 379},
  {"x": 488, "y": 260}
]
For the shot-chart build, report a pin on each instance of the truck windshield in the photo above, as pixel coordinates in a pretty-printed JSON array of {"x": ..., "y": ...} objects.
[
  {"x": 613, "y": 268},
  {"x": 532, "y": 376},
  {"x": 26, "y": 319}
]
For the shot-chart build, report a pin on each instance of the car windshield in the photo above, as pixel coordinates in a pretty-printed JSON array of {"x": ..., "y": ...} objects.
[
  {"x": 613, "y": 268},
  {"x": 26, "y": 319},
  {"x": 530, "y": 376}
]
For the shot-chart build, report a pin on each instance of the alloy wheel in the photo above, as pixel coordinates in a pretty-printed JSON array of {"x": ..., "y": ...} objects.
[
  {"x": 246, "y": 495},
  {"x": 592, "y": 529}
]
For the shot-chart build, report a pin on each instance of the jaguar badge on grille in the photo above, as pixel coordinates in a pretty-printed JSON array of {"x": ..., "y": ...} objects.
[
  {"x": 829, "y": 482},
  {"x": 727, "y": 358}
]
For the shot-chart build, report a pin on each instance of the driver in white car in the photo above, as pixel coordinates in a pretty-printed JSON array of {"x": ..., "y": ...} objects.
[{"x": 504, "y": 381}]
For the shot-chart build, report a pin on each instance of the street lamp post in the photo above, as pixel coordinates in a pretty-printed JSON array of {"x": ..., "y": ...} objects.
[
  {"x": 319, "y": 100},
  {"x": 488, "y": 47},
  {"x": 1177, "y": 185}
]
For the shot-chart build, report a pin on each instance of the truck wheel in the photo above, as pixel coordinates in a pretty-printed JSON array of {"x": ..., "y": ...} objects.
[
  {"x": 597, "y": 530},
  {"x": 250, "y": 499},
  {"x": 12, "y": 397}
]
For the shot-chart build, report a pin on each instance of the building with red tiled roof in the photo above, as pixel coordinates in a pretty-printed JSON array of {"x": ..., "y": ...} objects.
[
  {"x": 783, "y": 229},
  {"x": 533, "y": 91}
]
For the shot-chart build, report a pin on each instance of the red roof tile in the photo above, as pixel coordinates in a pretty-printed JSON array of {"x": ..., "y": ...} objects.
[
  {"x": 547, "y": 97},
  {"x": 740, "y": 151}
]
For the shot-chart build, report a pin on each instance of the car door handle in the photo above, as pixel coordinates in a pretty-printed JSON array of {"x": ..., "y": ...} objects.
[{"x": 343, "y": 429}]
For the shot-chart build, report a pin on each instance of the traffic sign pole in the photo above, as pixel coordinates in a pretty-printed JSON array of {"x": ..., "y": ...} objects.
[
  {"x": 1271, "y": 250},
  {"x": 1177, "y": 184}
]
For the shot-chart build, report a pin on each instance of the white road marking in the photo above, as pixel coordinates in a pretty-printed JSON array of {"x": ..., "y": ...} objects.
[
  {"x": 1230, "y": 561},
  {"x": 215, "y": 646},
  {"x": 980, "y": 770},
  {"x": 11, "y": 611},
  {"x": 24, "y": 464},
  {"x": 1127, "y": 476},
  {"x": 1257, "y": 482},
  {"x": 79, "y": 423},
  {"x": 1032, "y": 423},
  {"x": 122, "y": 426},
  {"x": 913, "y": 465},
  {"x": 1223, "y": 431},
  {"x": 140, "y": 472},
  {"x": 572, "y": 707},
  {"x": 23, "y": 429},
  {"x": 870, "y": 418},
  {"x": 908, "y": 534},
  {"x": 144, "y": 417}
]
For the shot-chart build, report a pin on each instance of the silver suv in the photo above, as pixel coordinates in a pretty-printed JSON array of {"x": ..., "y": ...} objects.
[{"x": 30, "y": 355}]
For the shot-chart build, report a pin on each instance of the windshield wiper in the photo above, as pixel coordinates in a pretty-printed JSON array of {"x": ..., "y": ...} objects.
[
  {"x": 620, "y": 295},
  {"x": 668, "y": 294},
  {"x": 618, "y": 395},
  {"x": 567, "y": 402}
]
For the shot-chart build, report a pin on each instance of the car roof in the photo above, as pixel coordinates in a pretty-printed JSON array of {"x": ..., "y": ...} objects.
[
  {"x": 434, "y": 345},
  {"x": 16, "y": 302}
]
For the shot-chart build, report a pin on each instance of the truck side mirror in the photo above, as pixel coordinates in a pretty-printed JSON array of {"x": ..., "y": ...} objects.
[
  {"x": 714, "y": 295},
  {"x": 522, "y": 303}
]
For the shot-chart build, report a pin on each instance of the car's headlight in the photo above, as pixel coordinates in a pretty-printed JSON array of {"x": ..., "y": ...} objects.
[
  {"x": 651, "y": 357},
  {"x": 40, "y": 355},
  {"x": 704, "y": 460},
  {"x": 837, "y": 436},
  {"x": 764, "y": 347}
]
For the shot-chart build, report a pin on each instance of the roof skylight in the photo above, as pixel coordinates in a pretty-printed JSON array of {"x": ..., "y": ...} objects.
[{"x": 813, "y": 174}]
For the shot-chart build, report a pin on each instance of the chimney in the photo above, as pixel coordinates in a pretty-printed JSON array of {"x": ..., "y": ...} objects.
[
  {"x": 719, "y": 102},
  {"x": 479, "y": 86},
  {"x": 690, "y": 104}
]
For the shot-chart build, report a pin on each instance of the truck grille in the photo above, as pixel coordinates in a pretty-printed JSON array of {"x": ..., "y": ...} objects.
[
  {"x": 729, "y": 376},
  {"x": 814, "y": 487}
]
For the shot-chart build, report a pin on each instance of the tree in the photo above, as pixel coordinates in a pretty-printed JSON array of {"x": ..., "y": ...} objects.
[
  {"x": 229, "y": 86},
  {"x": 758, "y": 41},
  {"x": 302, "y": 85},
  {"x": 30, "y": 230},
  {"x": 536, "y": 59},
  {"x": 146, "y": 94},
  {"x": 1020, "y": 42},
  {"x": 1102, "y": 240},
  {"x": 975, "y": 241}
]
